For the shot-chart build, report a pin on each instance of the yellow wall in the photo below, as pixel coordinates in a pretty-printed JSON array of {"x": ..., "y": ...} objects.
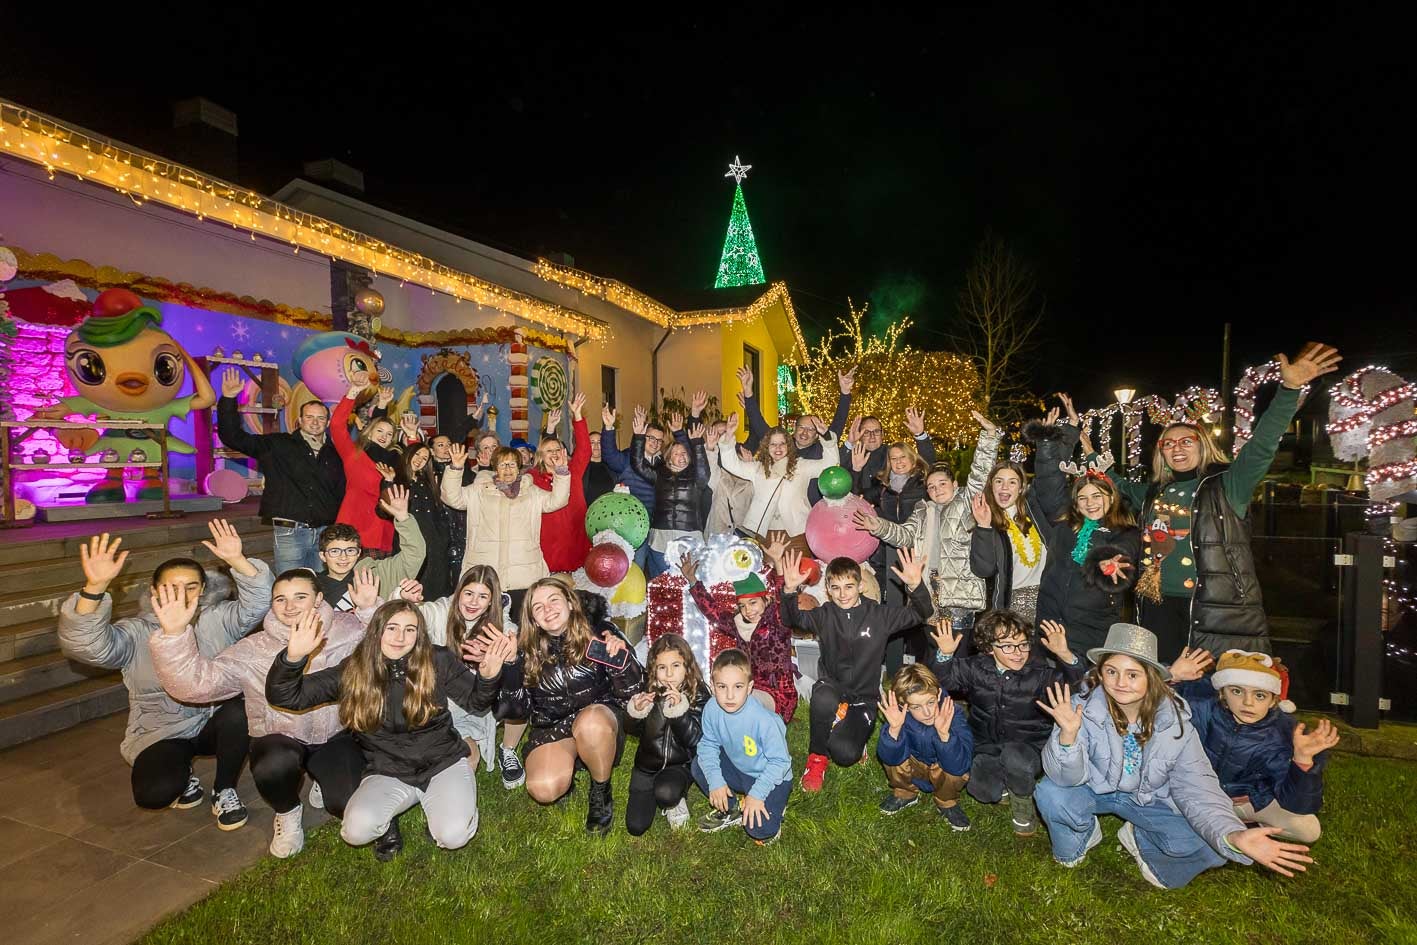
[{"x": 734, "y": 336}]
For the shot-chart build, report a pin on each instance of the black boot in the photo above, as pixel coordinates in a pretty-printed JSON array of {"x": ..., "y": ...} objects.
[
  {"x": 600, "y": 809},
  {"x": 388, "y": 846}
]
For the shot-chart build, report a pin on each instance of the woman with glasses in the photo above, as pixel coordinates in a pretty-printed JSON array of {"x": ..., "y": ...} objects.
[
  {"x": 504, "y": 512},
  {"x": 1198, "y": 586}
]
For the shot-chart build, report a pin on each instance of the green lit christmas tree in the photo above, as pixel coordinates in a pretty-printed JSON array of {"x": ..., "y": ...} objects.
[{"x": 739, "y": 264}]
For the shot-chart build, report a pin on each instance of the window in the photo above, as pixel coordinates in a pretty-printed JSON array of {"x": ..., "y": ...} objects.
[
  {"x": 753, "y": 361},
  {"x": 607, "y": 385}
]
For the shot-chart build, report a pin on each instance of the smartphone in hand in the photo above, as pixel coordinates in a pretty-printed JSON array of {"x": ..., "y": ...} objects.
[{"x": 597, "y": 653}]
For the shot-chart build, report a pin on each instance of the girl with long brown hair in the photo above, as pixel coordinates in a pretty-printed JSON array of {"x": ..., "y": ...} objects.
[
  {"x": 1007, "y": 547},
  {"x": 667, "y": 719},
  {"x": 1124, "y": 747},
  {"x": 780, "y": 476},
  {"x": 392, "y": 693},
  {"x": 571, "y": 676},
  {"x": 434, "y": 518}
]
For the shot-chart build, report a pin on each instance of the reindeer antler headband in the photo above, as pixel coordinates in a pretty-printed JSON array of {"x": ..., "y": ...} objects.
[{"x": 1094, "y": 469}]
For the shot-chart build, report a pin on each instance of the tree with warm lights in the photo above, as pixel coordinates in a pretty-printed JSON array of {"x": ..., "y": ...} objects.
[{"x": 890, "y": 376}]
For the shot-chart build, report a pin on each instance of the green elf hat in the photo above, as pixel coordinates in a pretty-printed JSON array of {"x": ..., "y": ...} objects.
[
  {"x": 118, "y": 317},
  {"x": 750, "y": 586}
]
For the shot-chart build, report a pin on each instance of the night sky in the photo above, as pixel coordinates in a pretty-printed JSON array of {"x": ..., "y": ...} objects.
[{"x": 1164, "y": 172}]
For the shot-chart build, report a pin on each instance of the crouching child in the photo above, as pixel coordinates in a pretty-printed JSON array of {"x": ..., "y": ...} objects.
[{"x": 926, "y": 745}]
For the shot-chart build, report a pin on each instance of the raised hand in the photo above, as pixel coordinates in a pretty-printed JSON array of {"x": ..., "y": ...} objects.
[
  {"x": 1258, "y": 844},
  {"x": 863, "y": 520},
  {"x": 408, "y": 423},
  {"x": 306, "y": 636},
  {"x": 777, "y": 544},
  {"x": 853, "y": 433},
  {"x": 457, "y": 455},
  {"x": 639, "y": 422},
  {"x": 859, "y": 455},
  {"x": 846, "y": 380},
  {"x": 711, "y": 437},
  {"x": 358, "y": 380},
  {"x": 226, "y": 540},
  {"x": 696, "y": 431},
  {"x": 1115, "y": 567},
  {"x": 1191, "y": 664},
  {"x": 745, "y": 380},
  {"x": 944, "y": 717},
  {"x": 231, "y": 382},
  {"x": 386, "y": 471},
  {"x": 1308, "y": 744},
  {"x": 607, "y": 417},
  {"x": 1067, "y": 716},
  {"x": 893, "y": 711},
  {"x": 697, "y": 403},
  {"x": 944, "y": 635},
  {"x": 479, "y": 408},
  {"x": 676, "y": 421},
  {"x": 501, "y": 649},
  {"x": 914, "y": 421},
  {"x": 912, "y": 568},
  {"x": 364, "y": 589},
  {"x": 983, "y": 515},
  {"x": 1069, "y": 408},
  {"x": 793, "y": 577},
  {"x": 173, "y": 610},
  {"x": 553, "y": 419},
  {"x": 1314, "y": 361},
  {"x": 411, "y": 591},
  {"x": 395, "y": 502},
  {"x": 577, "y": 405},
  {"x": 984, "y": 422},
  {"x": 386, "y": 395},
  {"x": 689, "y": 569},
  {"x": 474, "y": 649},
  {"x": 1051, "y": 417},
  {"x": 101, "y": 561},
  {"x": 731, "y": 422},
  {"x": 1054, "y": 636}
]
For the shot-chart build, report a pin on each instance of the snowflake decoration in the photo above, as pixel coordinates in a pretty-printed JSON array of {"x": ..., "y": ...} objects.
[{"x": 241, "y": 332}]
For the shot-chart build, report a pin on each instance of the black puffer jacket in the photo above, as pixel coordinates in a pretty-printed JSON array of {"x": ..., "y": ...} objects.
[
  {"x": 413, "y": 756},
  {"x": 1003, "y": 706},
  {"x": 992, "y": 557},
  {"x": 562, "y": 691},
  {"x": 677, "y": 496},
  {"x": 667, "y": 736},
  {"x": 894, "y": 507}
]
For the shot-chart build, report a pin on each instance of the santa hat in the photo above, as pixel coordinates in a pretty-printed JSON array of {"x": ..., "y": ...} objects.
[
  {"x": 750, "y": 586},
  {"x": 1256, "y": 671}
]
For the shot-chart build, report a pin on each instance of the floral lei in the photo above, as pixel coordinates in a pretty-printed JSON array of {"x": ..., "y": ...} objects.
[{"x": 1029, "y": 555}]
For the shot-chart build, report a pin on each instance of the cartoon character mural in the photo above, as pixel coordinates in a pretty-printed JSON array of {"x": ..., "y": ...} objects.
[
  {"x": 323, "y": 365},
  {"x": 124, "y": 367}
]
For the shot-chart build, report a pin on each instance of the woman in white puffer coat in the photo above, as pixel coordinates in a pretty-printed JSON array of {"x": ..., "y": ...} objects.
[{"x": 780, "y": 478}]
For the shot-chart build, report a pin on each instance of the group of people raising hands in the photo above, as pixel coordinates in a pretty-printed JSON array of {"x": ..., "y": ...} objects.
[{"x": 382, "y": 669}]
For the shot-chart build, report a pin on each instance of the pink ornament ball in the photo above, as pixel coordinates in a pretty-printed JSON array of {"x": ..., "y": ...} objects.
[
  {"x": 831, "y": 533},
  {"x": 607, "y": 565}
]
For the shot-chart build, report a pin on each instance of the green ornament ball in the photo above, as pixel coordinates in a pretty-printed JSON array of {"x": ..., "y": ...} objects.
[
  {"x": 834, "y": 482},
  {"x": 623, "y": 514}
]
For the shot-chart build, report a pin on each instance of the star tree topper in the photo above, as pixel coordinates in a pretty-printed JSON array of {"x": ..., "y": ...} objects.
[{"x": 738, "y": 170}]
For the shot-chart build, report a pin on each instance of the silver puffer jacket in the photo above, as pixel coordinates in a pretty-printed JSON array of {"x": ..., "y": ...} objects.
[{"x": 947, "y": 527}]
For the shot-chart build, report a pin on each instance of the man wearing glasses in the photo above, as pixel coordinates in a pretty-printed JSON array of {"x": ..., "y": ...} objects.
[
  {"x": 618, "y": 461},
  {"x": 872, "y": 435},
  {"x": 341, "y": 551}
]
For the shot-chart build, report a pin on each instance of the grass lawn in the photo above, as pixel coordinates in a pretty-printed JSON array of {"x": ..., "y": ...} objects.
[{"x": 840, "y": 873}]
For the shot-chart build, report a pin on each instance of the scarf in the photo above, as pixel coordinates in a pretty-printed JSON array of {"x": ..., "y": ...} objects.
[
  {"x": 745, "y": 629},
  {"x": 1084, "y": 540},
  {"x": 509, "y": 489},
  {"x": 316, "y": 443},
  {"x": 898, "y": 481}
]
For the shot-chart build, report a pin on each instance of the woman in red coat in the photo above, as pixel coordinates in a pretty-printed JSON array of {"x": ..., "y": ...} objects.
[
  {"x": 564, "y": 544},
  {"x": 362, "y": 476}
]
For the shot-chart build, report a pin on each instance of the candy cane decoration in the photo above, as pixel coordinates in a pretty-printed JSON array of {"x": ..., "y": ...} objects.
[
  {"x": 1374, "y": 413},
  {"x": 1250, "y": 382},
  {"x": 517, "y": 384}
]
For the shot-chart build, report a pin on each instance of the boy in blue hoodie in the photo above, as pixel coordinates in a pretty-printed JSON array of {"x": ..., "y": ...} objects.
[
  {"x": 925, "y": 746},
  {"x": 1271, "y": 768},
  {"x": 743, "y": 750}
]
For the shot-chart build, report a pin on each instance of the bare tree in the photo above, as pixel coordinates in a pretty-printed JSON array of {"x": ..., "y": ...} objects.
[{"x": 1000, "y": 320}]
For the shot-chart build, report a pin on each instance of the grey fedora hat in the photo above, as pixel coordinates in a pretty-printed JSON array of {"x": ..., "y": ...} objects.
[{"x": 1131, "y": 640}]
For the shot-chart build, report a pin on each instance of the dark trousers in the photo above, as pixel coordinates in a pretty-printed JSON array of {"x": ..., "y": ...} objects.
[
  {"x": 1015, "y": 766},
  {"x": 1170, "y": 620},
  {"x": 161, "y": 770},
  {"x": 838, "y": 729},
  {"x": 740, "y": 783},
  {"x": 652, "y": 791},
  {"x": 279, "y": 763}
]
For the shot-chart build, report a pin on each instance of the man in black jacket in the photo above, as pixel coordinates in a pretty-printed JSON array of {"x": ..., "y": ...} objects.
[{"x": 304, "y": 475}]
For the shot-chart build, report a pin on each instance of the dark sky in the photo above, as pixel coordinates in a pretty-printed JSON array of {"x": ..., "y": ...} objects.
[{"x": 1164, "y": 172}]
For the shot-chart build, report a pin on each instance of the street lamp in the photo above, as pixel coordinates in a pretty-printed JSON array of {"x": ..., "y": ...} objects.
[{"x": 1124, "y": 397}]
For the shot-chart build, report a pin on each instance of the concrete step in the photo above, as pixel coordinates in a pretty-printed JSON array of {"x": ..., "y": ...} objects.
[
  {"x": 52, "y": 711},
  {"x": 30, "y": 675},
  {"x": 18, "y": 548},
  {"x": 34, "y": 637}
]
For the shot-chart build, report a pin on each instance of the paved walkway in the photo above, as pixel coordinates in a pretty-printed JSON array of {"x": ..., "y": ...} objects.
[{"x": 80, "y": 863}]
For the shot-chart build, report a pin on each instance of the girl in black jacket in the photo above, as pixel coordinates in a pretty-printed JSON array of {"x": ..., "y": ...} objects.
[
  {"x": 677, "y": 477},
  {"x": 667, "y": 719},
  {"x": 392, "y": 693},
  {"x": 425, "y": 504},
  {"x": 574, "y": 703}
]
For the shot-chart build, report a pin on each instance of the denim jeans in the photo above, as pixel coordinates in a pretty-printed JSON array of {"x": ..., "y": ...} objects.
[
  {"x": 297, "y": 547},
  {"x": 1175, "y": 852},
  {"x": 740, "y": 783}
]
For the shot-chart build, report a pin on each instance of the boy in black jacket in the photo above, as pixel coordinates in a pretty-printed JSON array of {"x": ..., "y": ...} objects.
[
  {"x": 1003, "y": 682},
  {"x": 853, "y": 633}
]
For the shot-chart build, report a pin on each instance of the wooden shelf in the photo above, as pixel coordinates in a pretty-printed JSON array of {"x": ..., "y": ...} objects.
[
  {"x": 86, "y": 465},
  {"x": 81, "y": 425},
  {"x": 244, "y": 362}
]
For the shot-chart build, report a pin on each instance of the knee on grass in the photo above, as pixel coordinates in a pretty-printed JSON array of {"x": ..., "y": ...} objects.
[{"x": 547, "y": 788}]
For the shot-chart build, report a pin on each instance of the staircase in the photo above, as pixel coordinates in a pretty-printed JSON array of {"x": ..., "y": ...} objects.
[{"x": 41, "y": 691}]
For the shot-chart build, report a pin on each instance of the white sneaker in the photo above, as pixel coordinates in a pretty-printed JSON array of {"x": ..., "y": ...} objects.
[
  {"x": 317, "y": 797},
  {"x": 288, "y": 836},
  {"x": 678, "y": 815},
  {"x": 1127, "y": 837},
  {"x": 1093, "y": 840}
]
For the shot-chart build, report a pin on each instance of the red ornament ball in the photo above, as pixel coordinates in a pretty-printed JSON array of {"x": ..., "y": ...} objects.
[
  {"x": 812, "y": 569},
  {"x": 607, "y": 565},
  {"x": 114, "y": 302}
]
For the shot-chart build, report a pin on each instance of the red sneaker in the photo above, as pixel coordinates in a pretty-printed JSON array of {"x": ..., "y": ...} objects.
[{"x": 816, "y": 771}]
